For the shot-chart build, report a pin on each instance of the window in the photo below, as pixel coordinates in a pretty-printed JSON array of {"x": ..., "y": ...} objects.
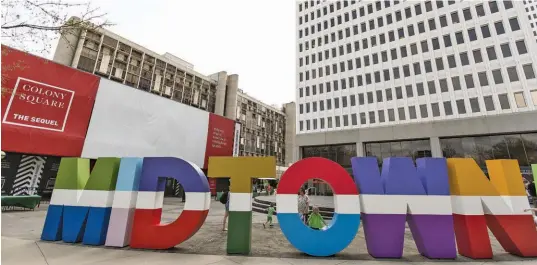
[
  {"x": 447, "y": 40},
  {"x": 370, "y": 98},
  {"x": 472, "y": 35},
  {"x": 379, "y": 95},
  {"x": 361, "y": 100},
  {"x": 497, "y": 76},
  {"x": 455, "y": 17},
  {"x": 448, "y": 109},
  {"x": 354, "y": 120},
  {"x": 451, "y": 61},
  {"x": 456, "y": 82},
  {"x": 428, "y": 66},
  {"x": 423, "y": 111},
  {"x": 469, "y": 80},
  {"x": 480, "y": 10},
  {"x": 528, "y": 71},
  {"x": 362, "y": 118},
  {"x": 485, "y": 31},
  {"x": 436, "y": 44},
  {"x": 474, "y": 105},
  {"x": 424, "y": 47},
  {"x": 301, "y": 125},
  {"x": 506, "y": 51},
  {"x": 409, "y": 91},
  {"x": 396, "y": 73},
  {"x": 432, "y": 24},
  {"x": 459, "y": 37},
  {"x": 464, "y": 58},
  {"x": 520, "y": 100},
  {"x": 406, "y": 70},
  {"x": 477, "y": 56},
  {"x": 398, "y": 16},
  {"x": 398, "y": 92},
  {"x": 328, "y": 104},
  {"x": 443, "y": 85},
  {"x": 489, "y": 103},
  {"x": 504, "y": 101},
  {"x": 408, "y": 12},
  {"x": 443, "y": 21},
  {"x": 412, "y": 112},
  {"x": 436, "y": 109},
  {"x": 513, "y": 22},
  {"x": 401, "y": 112},
  {"x": 521, "y": 47},
  {"x": 439, "y": 64},
  {"x": 461, "y": 108},
  {"x": 401, "y": 33},
  {"x": 410, "y": 29},
  {"x": 389, "y": 95},
  {"x": 508, "y": 4},
  {"x": 483, "y": 79},
  {"x": 431, "y": 87},
  {"x": 499, "y": 28},
  {"x": 413, "y": 49},
  {"x": 428, "y": 6},
  {"x": 491, "y": 53},
  {"x": 421, "y": 27},
  {"x": 493, "y": 6},
  {"x": 512, "y": 73},
  {"x": 391, "y": 115},
  {"x": 467, "y": 14},
  {"x": 338, "y": 121},
  {"x": 534, "y": 97},
  {"x": 419, "y": 89},
  {"x": 371, "y": 117}
]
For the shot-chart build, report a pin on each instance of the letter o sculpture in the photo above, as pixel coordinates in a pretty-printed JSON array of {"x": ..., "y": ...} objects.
[{"x": 345, "y": 221}]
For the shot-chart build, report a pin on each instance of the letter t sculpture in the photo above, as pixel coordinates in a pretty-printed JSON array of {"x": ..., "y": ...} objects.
[{"x": 241, "y": 171}]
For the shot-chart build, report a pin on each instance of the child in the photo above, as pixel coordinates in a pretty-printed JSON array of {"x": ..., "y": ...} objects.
[
  {"x": 316, "y": 221},
  {"x": 270, "y": 212},
  {"x": 533, "y": 210}
]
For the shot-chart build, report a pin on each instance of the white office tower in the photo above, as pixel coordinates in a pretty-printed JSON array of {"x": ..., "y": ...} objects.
[{"x": 416, "y": 78}]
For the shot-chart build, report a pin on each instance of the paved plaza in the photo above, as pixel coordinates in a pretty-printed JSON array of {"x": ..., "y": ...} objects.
[{"x": 21, "y": 231}]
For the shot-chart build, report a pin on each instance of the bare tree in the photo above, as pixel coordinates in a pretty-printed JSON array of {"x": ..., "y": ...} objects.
[{"x": 32, "y": 25}]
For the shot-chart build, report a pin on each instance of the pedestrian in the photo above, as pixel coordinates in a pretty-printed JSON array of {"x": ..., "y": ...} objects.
[
  {"x": 224, "y": 199},
  {"x": 270, "y": 212},
  {"x": 303, "y": 206},
  {"x": 316, "y": 220}
]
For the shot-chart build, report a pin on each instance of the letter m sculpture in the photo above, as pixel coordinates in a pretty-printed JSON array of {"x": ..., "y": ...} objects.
[{"x": 81, "y": 202}]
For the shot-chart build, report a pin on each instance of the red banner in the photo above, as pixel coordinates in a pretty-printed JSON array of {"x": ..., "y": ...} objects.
[
  {"x": 46, "y": 107},
  {"x": 219, "y": 137}
]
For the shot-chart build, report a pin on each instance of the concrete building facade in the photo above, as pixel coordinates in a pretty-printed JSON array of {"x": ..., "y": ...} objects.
[
  {"x": 104, "y": 53},
  {"x": 416, "y": 78}
]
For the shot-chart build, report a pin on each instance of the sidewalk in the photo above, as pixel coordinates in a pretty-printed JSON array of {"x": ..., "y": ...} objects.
[{"x": 24, "y": 251}]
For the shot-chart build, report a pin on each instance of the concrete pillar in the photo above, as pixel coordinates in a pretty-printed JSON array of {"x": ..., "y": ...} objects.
[
  {"x": 231, "y": 97},
  {"x": 290, "y": 132},
  {"x": 360, "y": 149},
  {"x": 220, "y": 93},
  {"x": 78, "y": 51},
  {"x": 436, "y": 149}
]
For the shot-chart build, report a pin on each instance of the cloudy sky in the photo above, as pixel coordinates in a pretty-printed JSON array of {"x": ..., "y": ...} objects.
[{"x": 252, "y": 38}]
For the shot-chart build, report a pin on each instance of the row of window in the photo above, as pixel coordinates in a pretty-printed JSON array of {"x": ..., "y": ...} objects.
[
  {"x": 379, "y": 116},
  {"x": 464, "y": 60},
  {"x": 435, "y": 43},
  {"x": 480, "y": 10},
  {"x": 469, "y": 82},
  {"x": 410, "y": 29},
  {"x": 386, "y": 94}
]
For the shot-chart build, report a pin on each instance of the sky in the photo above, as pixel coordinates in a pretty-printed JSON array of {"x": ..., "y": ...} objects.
[{"x": 252, "y": 38}]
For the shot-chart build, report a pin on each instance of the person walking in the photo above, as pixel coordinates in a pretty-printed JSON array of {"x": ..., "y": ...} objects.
[
  {"x": 303, "y": 206},
  {"x": 270, "y": 213},
  {"x": 224, "y": 199}
]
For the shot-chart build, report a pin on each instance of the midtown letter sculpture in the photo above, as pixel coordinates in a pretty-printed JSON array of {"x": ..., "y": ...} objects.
[{"x": 448, "y": 204}]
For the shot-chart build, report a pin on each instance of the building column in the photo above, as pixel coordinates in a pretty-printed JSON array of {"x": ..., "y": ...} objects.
[
  {"x": 436, "y": 149},
  {"x": 360, "y": 149},
  {"x": 78, "y": 50},
  {"x": 220, "y": 93},
  {"x": 231, "y": 97}
]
